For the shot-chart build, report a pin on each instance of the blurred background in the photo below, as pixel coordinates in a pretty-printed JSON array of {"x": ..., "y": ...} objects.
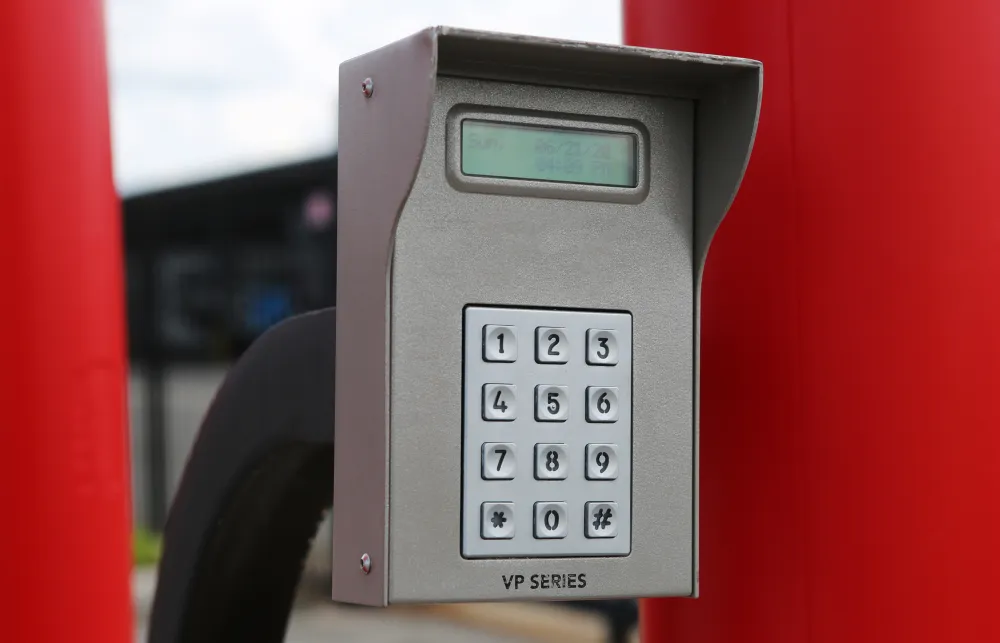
[{"x": 224, "y": 120}]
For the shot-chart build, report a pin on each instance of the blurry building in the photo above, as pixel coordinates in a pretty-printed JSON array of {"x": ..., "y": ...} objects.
[{"x": 211, "y": 266}]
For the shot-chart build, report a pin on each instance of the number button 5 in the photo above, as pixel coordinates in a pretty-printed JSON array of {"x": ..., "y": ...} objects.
[
  {"x": 551, "y": 346},
  {"x": 602, "y": 347},
  {"x": 551, "y": 462},
  {"x": 499, "y": 343},
  {"x": 551, "y": 403},
  {"x": 602, "y": 461},
  {"x": 602, "y": 404},
  {"x": 499, "y": 402},
  {"x": 499, "y": 461}
]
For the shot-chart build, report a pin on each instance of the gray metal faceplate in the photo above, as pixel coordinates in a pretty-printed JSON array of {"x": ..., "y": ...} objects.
[{"x": 454, "y": 248}]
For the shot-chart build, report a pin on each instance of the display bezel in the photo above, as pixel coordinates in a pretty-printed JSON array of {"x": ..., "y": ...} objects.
[{"x": 543, "y": 187}]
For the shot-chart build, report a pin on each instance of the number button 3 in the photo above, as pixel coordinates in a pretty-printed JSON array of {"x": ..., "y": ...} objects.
[
  {"x": 602, "y": 347},
  {"x": 551, "y": 346},
  {"x": 602, "y": 404},
  {"x": 602, "y": 461},
  {"x": 551, "y": 403},
  {"x": 499, "y": 461},
  {"x": 550, "y": 520},
  {"x": 499, "y": 402},
  {"x": 499, "y": 343},
  {"x": 551, "y": 462}
]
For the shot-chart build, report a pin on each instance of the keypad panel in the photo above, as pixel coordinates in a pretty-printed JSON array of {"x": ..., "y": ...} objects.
[{"x": 547, "y": 433}]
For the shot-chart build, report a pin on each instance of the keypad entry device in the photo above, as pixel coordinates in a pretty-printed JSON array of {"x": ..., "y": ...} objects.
[{"x": 547, "y": 433}]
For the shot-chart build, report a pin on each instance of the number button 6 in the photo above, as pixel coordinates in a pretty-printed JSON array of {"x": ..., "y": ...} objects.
[
  {"x": 602, "y": 404},
  {"x": 499, "y": 402},
  {"x": 551, "y": 403},
  {"x": 602, "y": 461}
]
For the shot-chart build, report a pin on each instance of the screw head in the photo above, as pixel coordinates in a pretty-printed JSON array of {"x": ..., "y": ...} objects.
[
  {"x": 366, "y": 563},
  {"x": 367, "y": 87}
]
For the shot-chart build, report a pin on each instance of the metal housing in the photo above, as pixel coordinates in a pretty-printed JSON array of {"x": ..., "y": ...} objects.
[{"x": 415, "y": 246}]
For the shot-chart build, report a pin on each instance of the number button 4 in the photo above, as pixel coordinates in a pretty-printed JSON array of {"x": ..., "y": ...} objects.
[
  {"x": 602, "y": 404},
  {"x": 602, "y": 347},
  {"x": 602, "y": 461},
  {"x": 551, "y": 462},
  {"x": 499, "y": 343},
  {"x": 499, "y": 402},
  {"x": 551, "y": 346},
  {"x": 499, "y": 461},
  {"x": 551, "y": 403}
]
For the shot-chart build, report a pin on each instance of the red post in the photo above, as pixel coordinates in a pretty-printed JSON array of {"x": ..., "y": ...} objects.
[
  {"x": 64, "y": 498},
  {"x": 850, "y": 440}
]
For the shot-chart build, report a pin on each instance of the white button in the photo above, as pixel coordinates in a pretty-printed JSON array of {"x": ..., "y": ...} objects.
[
  {"x": 602, "y": 347},
  {"x": 499, "y": 402},
  {"x": 551, "y": 345},
  {"x": 499, "y": 461},
  {"x": 550, "y": 520},
  {"x": 551, "y": 403},
  {"x": 551, "y": 462},
  {"x": 498, "y": 520},
  {"x": 602, "y": 519},
  {"x": 602, "y": 461},
  {"x": 602, "y": 404},
  {"x": 499, "y": 343}
]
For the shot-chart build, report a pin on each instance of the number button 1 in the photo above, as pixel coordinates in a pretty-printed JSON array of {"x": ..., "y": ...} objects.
[
  {"x": 499, "y": 461},
  {"x": 602, "y": 347},
  {"x": 499, "y": 402},
  {"x": 551, "y": 462},
  {"x": 499, "y": 343},
  {"x": 551, "y": 403},
  {"x": 551, "y": 346},
  {"x": 602, "y": 461},
  {"x": 602, "y": 404}
]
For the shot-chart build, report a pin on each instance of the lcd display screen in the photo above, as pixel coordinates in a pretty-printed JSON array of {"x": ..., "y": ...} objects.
[{"x": 536, "y": 153}]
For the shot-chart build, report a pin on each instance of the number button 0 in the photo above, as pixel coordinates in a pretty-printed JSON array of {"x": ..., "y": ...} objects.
[
  {"x": 602, "y": 347},
  {"x": 551, "y": 403},
  {"x": 499, "y": 461},
  {"x": 499, "y": 343},
  {"x": 499, "y": 402},
  {"x": 551, "y": 462},
  {"x": 602, "y": 404},
  {"x": 551, "y": 346},
  {"x": 602, "y": 461},
  {"x": 550, "y": 520}
]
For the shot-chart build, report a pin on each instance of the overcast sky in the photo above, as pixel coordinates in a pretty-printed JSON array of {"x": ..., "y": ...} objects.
[{"x": 201, "y": 88}]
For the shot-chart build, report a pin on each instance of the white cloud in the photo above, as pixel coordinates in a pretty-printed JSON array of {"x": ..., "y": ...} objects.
[{"x": 203, "y": 87}]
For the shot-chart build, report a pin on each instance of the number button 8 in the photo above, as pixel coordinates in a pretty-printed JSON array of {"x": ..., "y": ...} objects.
[{"x": 550, "y": 462}]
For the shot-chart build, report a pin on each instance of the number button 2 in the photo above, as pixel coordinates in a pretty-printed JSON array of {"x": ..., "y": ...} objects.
[
  {"x": 551, "y": 346},
  {"x": 602, "y": 404},
  {"x": 499, "y": 402},
  {"x": 551, "y": 462},
  {"x": 499, "y": 343},
  {"x": 602, "y": 347},
  {"x": 551, "y": 403},
  {"x": 602, "y": 461},
  {"x": 499, "y": 461}
]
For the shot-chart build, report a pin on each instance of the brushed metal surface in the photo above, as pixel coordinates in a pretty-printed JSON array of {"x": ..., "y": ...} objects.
[{"x": 455, "y": 248}]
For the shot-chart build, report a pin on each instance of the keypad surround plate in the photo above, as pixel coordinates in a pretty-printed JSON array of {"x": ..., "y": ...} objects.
[{"x": 524, "y": 490}]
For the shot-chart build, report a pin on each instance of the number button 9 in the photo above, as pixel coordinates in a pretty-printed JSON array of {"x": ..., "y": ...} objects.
[
  {"x": 602, "y": 461},
  {"x": 551, "y": 346},
  {"x": 602, "y": 404},
  {"x": 602, "y": 347},
  {"x": 551, "y": 403},
  {"x": 499, "y": 343}
]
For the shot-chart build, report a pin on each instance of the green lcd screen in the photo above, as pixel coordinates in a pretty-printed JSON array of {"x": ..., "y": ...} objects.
[{"x": 536, "y": 153}]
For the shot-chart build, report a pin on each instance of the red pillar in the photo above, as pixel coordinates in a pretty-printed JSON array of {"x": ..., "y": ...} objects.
[
  {"x": 64, "y": 498},
  {"x": 850, "y": 441}
]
